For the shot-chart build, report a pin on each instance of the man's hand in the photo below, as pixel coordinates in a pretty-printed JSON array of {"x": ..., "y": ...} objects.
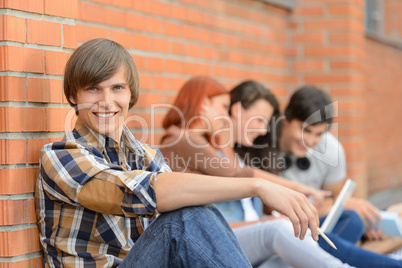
[{"x": 292, "y": 204}]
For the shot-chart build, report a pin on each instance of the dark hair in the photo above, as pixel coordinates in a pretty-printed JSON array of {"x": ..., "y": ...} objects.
[
  {"x": 96, "y": 61},
  {"x": 247, "y": 93},
  {"x": 311, "y": 105}
]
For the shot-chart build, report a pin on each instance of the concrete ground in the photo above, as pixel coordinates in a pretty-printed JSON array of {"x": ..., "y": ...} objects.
[{"x": 386, "y": 198}]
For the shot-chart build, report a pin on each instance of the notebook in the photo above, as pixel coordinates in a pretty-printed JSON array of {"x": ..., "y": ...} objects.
[
  {"x": 391, "y": 224},
  {"x": 337, "y": 209}
]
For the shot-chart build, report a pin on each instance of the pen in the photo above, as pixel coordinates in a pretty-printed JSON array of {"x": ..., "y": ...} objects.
[{"x": 326, "y": 238}]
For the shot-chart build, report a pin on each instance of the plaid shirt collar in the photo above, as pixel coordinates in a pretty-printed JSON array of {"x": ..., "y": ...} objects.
[{"x": 99, "y": 141}]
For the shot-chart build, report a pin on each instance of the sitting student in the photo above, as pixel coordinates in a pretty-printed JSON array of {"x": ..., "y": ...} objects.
[
  {"x": 99, "y": 189},
  {"x": 266, "y": 148},
  {"x": 192, "y": 146},
  {"x": 308, "y": 117}
]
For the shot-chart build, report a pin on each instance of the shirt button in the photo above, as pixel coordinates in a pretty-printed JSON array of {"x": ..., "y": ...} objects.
[{"x": 121, "y": 163}]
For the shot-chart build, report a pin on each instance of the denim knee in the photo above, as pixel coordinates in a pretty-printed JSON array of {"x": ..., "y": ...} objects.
[{"x": 350, "y": 226}]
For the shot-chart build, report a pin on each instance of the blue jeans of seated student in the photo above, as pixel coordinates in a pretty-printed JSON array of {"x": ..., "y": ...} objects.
[
  {"x": 188, "y": 237},
  {"x": 346, "y": 233},
  {"x": 350, "y": 226}
]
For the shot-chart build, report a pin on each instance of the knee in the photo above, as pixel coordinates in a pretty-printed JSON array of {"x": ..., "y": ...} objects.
[
  {"x": 355, "y": 222},
  {"x": 195, "y": 214}
]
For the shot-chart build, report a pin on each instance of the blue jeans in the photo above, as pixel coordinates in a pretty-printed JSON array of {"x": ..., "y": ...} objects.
[
  {"x": 346, "y": 233},
  {"x": 188, "y": 237},
  {"x": 350, "y": 226}
]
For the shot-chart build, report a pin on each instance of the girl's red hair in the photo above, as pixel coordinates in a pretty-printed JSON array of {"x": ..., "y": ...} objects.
[{"x": 190, "y": 98}]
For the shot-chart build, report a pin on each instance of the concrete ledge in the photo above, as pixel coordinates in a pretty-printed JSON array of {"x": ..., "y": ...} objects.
[{"x": 386, "y": 198}]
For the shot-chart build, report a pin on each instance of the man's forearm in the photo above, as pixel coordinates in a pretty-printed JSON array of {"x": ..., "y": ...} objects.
[{"x": 176, "y": 190}]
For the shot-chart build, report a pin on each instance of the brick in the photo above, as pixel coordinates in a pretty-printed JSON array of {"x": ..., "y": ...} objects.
[
  {"x": 17, "y": 211},
  {"x": 332, "y": 78},
  {"x": 145, "y": 100},
  {"x": 347, "y": 65},
  {"x": 13, "y": 88},
  {"x": 134, "y": 21},
  {"x": 209, "y": 53},
  {"x": 195, "y": 51},
  {"x": 98, "y": 32},
  {"x": 36, "y": 262},
  {"x": 140, "y": 62},
  {"x": 70, "y": 36},
  {"x": 115, "y": 17},
  {"x": 173, "y": 66},
  {"x": 63, "y": 8},
  {"x": 178, "y": 48},
  {"x": 308, "y": 38},
  {"x": 34, "y": 146},
  {"x": 309, "y": 11},
  {"x": 347, "y": 37},
  {"x": 123, "y": 38},
  {"x": 177, "y": 83},
  {"x": 22, "y": 119},
  {"x": 330, "y": 51},
  {"x": 58, "y": 118},
  {"x": 82, "y": 33},
  {"x": 122, "y": 3},
  {"x": 9, "y": 155},
  {"x": 172, "y": 29},
  {"x": 146, "y": 81},
  {"x": 348, "y": 10},
  {"x": 55, "y": 62},
  {"x": 154, "y": 25},
  {"x": 161, "y": 45},
  {"x": 45, "y": 90},
  {"x": 143, "y": 6},
  {"x": 91, "y": 12},
  {"x": 188, "y": 32},
  {"x": 13, "y": 28},
  {"x": 161, "y": 9},
  {"x": 34, "y": 60},
  {"x": 308, "y": 65},
  {"x": 34, "y": 6},
  {"x": 43, "y": 32},
  {"x": 18, "y": 181},
  {"x": 162, "y": 83},
  {"x": 26, "y": 119},
  {"x": 21, "y": 59},
  {"x": 142, "y": 42},
  {"x": 103, "y": 1},
  {"x": 19, "y": 242},
  {"x": 155, "y": 64}
]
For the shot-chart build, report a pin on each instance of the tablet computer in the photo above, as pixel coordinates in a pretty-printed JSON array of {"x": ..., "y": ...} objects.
[{"x": 337, "y": 209}]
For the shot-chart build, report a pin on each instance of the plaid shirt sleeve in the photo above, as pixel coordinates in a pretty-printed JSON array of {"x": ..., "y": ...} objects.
[{"x": 80, "y": 176}]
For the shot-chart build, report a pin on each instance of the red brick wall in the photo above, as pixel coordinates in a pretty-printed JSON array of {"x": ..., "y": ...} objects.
[
  {"x": 320, "y": 42},
  {"x": 383, "y": 95},
  {"x": 329, "y": 38}
]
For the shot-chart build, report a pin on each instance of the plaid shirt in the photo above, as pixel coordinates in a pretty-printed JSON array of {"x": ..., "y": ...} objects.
[{"x": 94, "y": 197}]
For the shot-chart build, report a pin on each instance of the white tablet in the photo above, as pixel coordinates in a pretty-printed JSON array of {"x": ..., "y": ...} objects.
[{"x": 337, "y": 209}]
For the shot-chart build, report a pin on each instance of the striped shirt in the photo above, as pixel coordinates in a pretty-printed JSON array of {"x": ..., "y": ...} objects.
[{"x": 95, "y": 197}]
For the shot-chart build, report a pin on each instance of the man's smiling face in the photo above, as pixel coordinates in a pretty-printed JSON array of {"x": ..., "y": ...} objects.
[{"x": 105, "y": 106}]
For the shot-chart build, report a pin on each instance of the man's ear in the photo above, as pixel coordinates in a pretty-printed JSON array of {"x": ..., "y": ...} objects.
[
  {"x": 234, "y": 110},
  {"x": 72, "y": 100}
]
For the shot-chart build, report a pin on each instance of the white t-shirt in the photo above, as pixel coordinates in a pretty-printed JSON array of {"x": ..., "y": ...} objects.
[{"x": 327, "y": 164}]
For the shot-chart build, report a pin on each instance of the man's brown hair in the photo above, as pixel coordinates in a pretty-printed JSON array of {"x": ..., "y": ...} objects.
[{"x": 96, "y": 61}]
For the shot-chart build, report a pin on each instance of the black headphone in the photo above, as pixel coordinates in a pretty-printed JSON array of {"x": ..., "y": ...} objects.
[{"x": 302, "y": 163}]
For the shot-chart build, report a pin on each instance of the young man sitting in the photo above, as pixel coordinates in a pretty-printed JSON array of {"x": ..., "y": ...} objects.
[{"x": 99, "y": 190}]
